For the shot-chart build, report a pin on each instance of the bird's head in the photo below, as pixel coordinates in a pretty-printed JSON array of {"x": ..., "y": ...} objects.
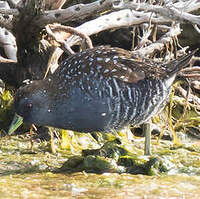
[{"x": 31, "y": 104}]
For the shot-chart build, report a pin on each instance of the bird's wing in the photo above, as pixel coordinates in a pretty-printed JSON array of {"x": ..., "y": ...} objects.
[{"x": 118, "y": 63}]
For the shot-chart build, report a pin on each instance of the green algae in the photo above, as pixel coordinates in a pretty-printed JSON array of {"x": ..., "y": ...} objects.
[
  {"x": 24, "y": 173},
  {"x": 6, "y": 111},
  {"x": 113, "y": 156}
]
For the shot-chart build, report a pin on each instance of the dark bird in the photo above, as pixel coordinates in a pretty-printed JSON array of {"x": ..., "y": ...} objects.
[{"x": 100, "y": 89}]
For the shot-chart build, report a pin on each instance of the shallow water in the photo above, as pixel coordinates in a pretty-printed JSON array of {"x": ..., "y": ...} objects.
[
  {"x": 79, "y": 185},
  {"x": 24, "y": 174}
]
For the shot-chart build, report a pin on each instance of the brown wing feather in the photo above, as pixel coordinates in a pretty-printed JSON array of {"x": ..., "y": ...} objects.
[{"x": 120, "y": 64}]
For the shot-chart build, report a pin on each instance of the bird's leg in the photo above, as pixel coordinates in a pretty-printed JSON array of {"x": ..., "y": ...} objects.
[
  {"x": 33, "y": 127},
  {"x": 147, "y": 132},
  {"x": 52, "y": 144}
]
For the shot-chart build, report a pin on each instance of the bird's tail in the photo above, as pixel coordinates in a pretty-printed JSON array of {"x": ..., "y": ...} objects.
[{"x": 176, "y": 65}]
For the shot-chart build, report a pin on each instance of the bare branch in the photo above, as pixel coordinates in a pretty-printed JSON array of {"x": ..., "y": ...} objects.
[
  {"x": 196, "y": 76},
  {"x": 53, "y": 60},
  {"x": 68, "y": 29},
  {"x": 6, "y": 22},
  {"x": 5, "y": 19},
  {"x": 12, "y": 3},
  {"x": 175, "y": 12},
  {"x": 52, "y": 30},
  {"x": 144, "y": 40},
  {"x": 118, "y": 19},
  {"x": 184, "y": 6},
  {"x": 54, "y": 4},
  {"x": 13, "y": 12},
  {"x": 159, "y": 44},
  {"x": 7, "y": 41},
  {"x": 79, "y": 11},
  {"x": 191, "y": 69},
  {"x": 191, "y": 96},
  {"x": 4, "y": 60},
  {"x": 196, "y": 84},
  {"x": 121, "y": 19}
]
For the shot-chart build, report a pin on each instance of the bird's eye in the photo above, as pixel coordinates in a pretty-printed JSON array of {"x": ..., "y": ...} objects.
[{"x": 28, "y": 106}]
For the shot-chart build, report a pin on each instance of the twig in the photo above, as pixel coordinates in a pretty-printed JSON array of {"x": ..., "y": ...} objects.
[
  {"x": 191, "y": 69},
  {"x": 67, "y": 29},
  {"x": 54, "y": 4},
  {"x": 73, "y": 31},
  {"x": 64, "y": 45},
  {"x": 159, "y": 44},
  {"x": 191, "y": 96},
  {"x": 59, "y": 40},
  {"x": 144, "y": 40},
  {"x": 196, "y": 76},
  {"x": 53, "y": 61},
  {"x": 196, "y": 84}
]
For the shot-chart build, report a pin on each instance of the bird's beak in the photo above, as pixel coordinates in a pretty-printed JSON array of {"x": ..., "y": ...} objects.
[{"x": 16, "y": 122}]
